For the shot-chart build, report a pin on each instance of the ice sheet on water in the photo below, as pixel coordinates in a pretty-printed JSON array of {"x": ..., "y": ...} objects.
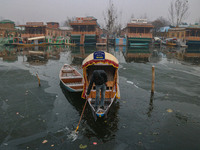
[{"x": 130, "y": 82}]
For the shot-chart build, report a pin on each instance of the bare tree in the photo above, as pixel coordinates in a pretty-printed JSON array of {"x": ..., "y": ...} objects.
[
  {"x": 178, "y": 11},
  {"x": 110, "y": 17},
  {"x": 68, "y": 20},
  {"x": 158, "y": 23}
]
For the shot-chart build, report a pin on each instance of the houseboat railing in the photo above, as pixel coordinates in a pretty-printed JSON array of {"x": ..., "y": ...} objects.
[
  {"x": 83, "y": 32},
  {"x": 144, "y": 35},
  {"x": 31, "y": 35},
  {"x": 193, "y": 38}
]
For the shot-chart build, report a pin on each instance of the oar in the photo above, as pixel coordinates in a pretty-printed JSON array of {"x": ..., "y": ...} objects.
[{"x": 81, "y": 114}]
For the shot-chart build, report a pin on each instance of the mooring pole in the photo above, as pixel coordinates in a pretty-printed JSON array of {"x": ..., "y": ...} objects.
[
  {"x": 38, "y": 79},
  {"x": 153, "y": 78}
]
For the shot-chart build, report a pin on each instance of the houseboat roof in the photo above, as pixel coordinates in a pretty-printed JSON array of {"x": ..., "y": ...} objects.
[
  {"x": 195, "y": 27},
  {"x": 176, "y": 29},
  {"x": 164, "y": 29},
  {"x": 33, "y": 24},
  {"x": 109, "y": 59},
  {"x": 6, "y": 21},
  {"x": 90, "y": 20},
  {"x": 83, "y": 23},
  {"x": 146, "y": 25}
]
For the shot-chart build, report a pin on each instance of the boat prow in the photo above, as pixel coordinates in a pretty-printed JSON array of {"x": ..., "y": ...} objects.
[{"x": 101, "y": 112}]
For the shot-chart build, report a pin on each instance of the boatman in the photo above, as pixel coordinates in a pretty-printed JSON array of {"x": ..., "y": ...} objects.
[{"x": 99, "y": 77}]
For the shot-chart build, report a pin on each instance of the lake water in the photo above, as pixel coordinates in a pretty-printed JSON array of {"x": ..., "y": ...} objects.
[{"x": 45, "y": 117}]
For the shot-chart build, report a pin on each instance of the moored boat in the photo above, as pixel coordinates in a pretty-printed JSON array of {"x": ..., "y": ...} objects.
[
  {"x": 101, "y": 61},
  {"x": 27, "y": 42},
  {"x": 171, "y": 42},
  {"x": 71, "y": 79}
]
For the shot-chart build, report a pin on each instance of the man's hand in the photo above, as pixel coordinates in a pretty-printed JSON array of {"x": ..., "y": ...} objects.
[{"x": 86, "y": 96}]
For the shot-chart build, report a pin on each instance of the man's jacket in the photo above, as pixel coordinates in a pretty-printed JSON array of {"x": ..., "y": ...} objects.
[{"x": 99, "y": 77}]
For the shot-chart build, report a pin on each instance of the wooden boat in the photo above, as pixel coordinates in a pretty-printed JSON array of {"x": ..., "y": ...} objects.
[
  {"x": 170, "y": 42},
  {"x": 28, "y": 42},
  {"x": 100, "y": 60},
  {"x": 71, "y": 79}
]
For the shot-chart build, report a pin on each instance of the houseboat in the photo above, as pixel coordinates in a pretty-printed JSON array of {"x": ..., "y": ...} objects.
[
  {"x": 139, "y": 33},
  {"x": 86, "y": 30},
  {"x": 193, "y": 35}
]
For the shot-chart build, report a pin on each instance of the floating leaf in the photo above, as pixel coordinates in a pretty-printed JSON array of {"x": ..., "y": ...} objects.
[
  {"x": 45, "y": 141},
  {"x": 155, "y": 133},
  {"x": 139, "y": 133},
  {"x": 169, "y": 110},
  {"x": 52, "y": 145},
  {"x": 82, "y": 146}
]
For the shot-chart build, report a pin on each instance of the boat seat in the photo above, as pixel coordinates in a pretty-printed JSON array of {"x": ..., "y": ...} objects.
[
  {"x": 76, "y": 84},
  {"x": 72, "y": 77},
  {"x": 67, "y": 70}
]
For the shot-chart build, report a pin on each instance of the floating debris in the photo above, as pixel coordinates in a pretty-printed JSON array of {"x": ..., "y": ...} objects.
[
  {"x": 155, "y": 133},
  {"x": 124, "y": 102},
  {"x": 169, "y": 110},
  {"x": 45, "y": 141},
  {"x": 94, "y": 143},
  {"x": 82, "y": 146}
]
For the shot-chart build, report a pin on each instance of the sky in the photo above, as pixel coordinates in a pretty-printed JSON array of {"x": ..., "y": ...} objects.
[{"x": 22, "y": 11}]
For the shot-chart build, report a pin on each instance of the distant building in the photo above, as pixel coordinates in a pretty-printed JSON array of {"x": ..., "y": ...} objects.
[
  {"x": 86, "y": 30},
  {"x": 35, "y": 29},
  {"x": 139, "y": 33},
  {"x": 179, "y": 33},
  {"x": 7, "y": 29},
  {"x": 193, "y": 35},
  {"x": 163, "y": 31}
]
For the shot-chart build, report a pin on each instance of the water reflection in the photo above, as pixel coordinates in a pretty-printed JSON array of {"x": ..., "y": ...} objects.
[
  {"x": 192, "y": 55},
  {"x": 40, "y": 55},
  {"x": 79, "y": 53},
  {"x": 9, "y": 54},
  {"x": 137, "y": 55}
]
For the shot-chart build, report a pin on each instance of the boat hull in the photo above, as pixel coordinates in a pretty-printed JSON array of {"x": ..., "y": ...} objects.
[{"x": 71, "y": 79}]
